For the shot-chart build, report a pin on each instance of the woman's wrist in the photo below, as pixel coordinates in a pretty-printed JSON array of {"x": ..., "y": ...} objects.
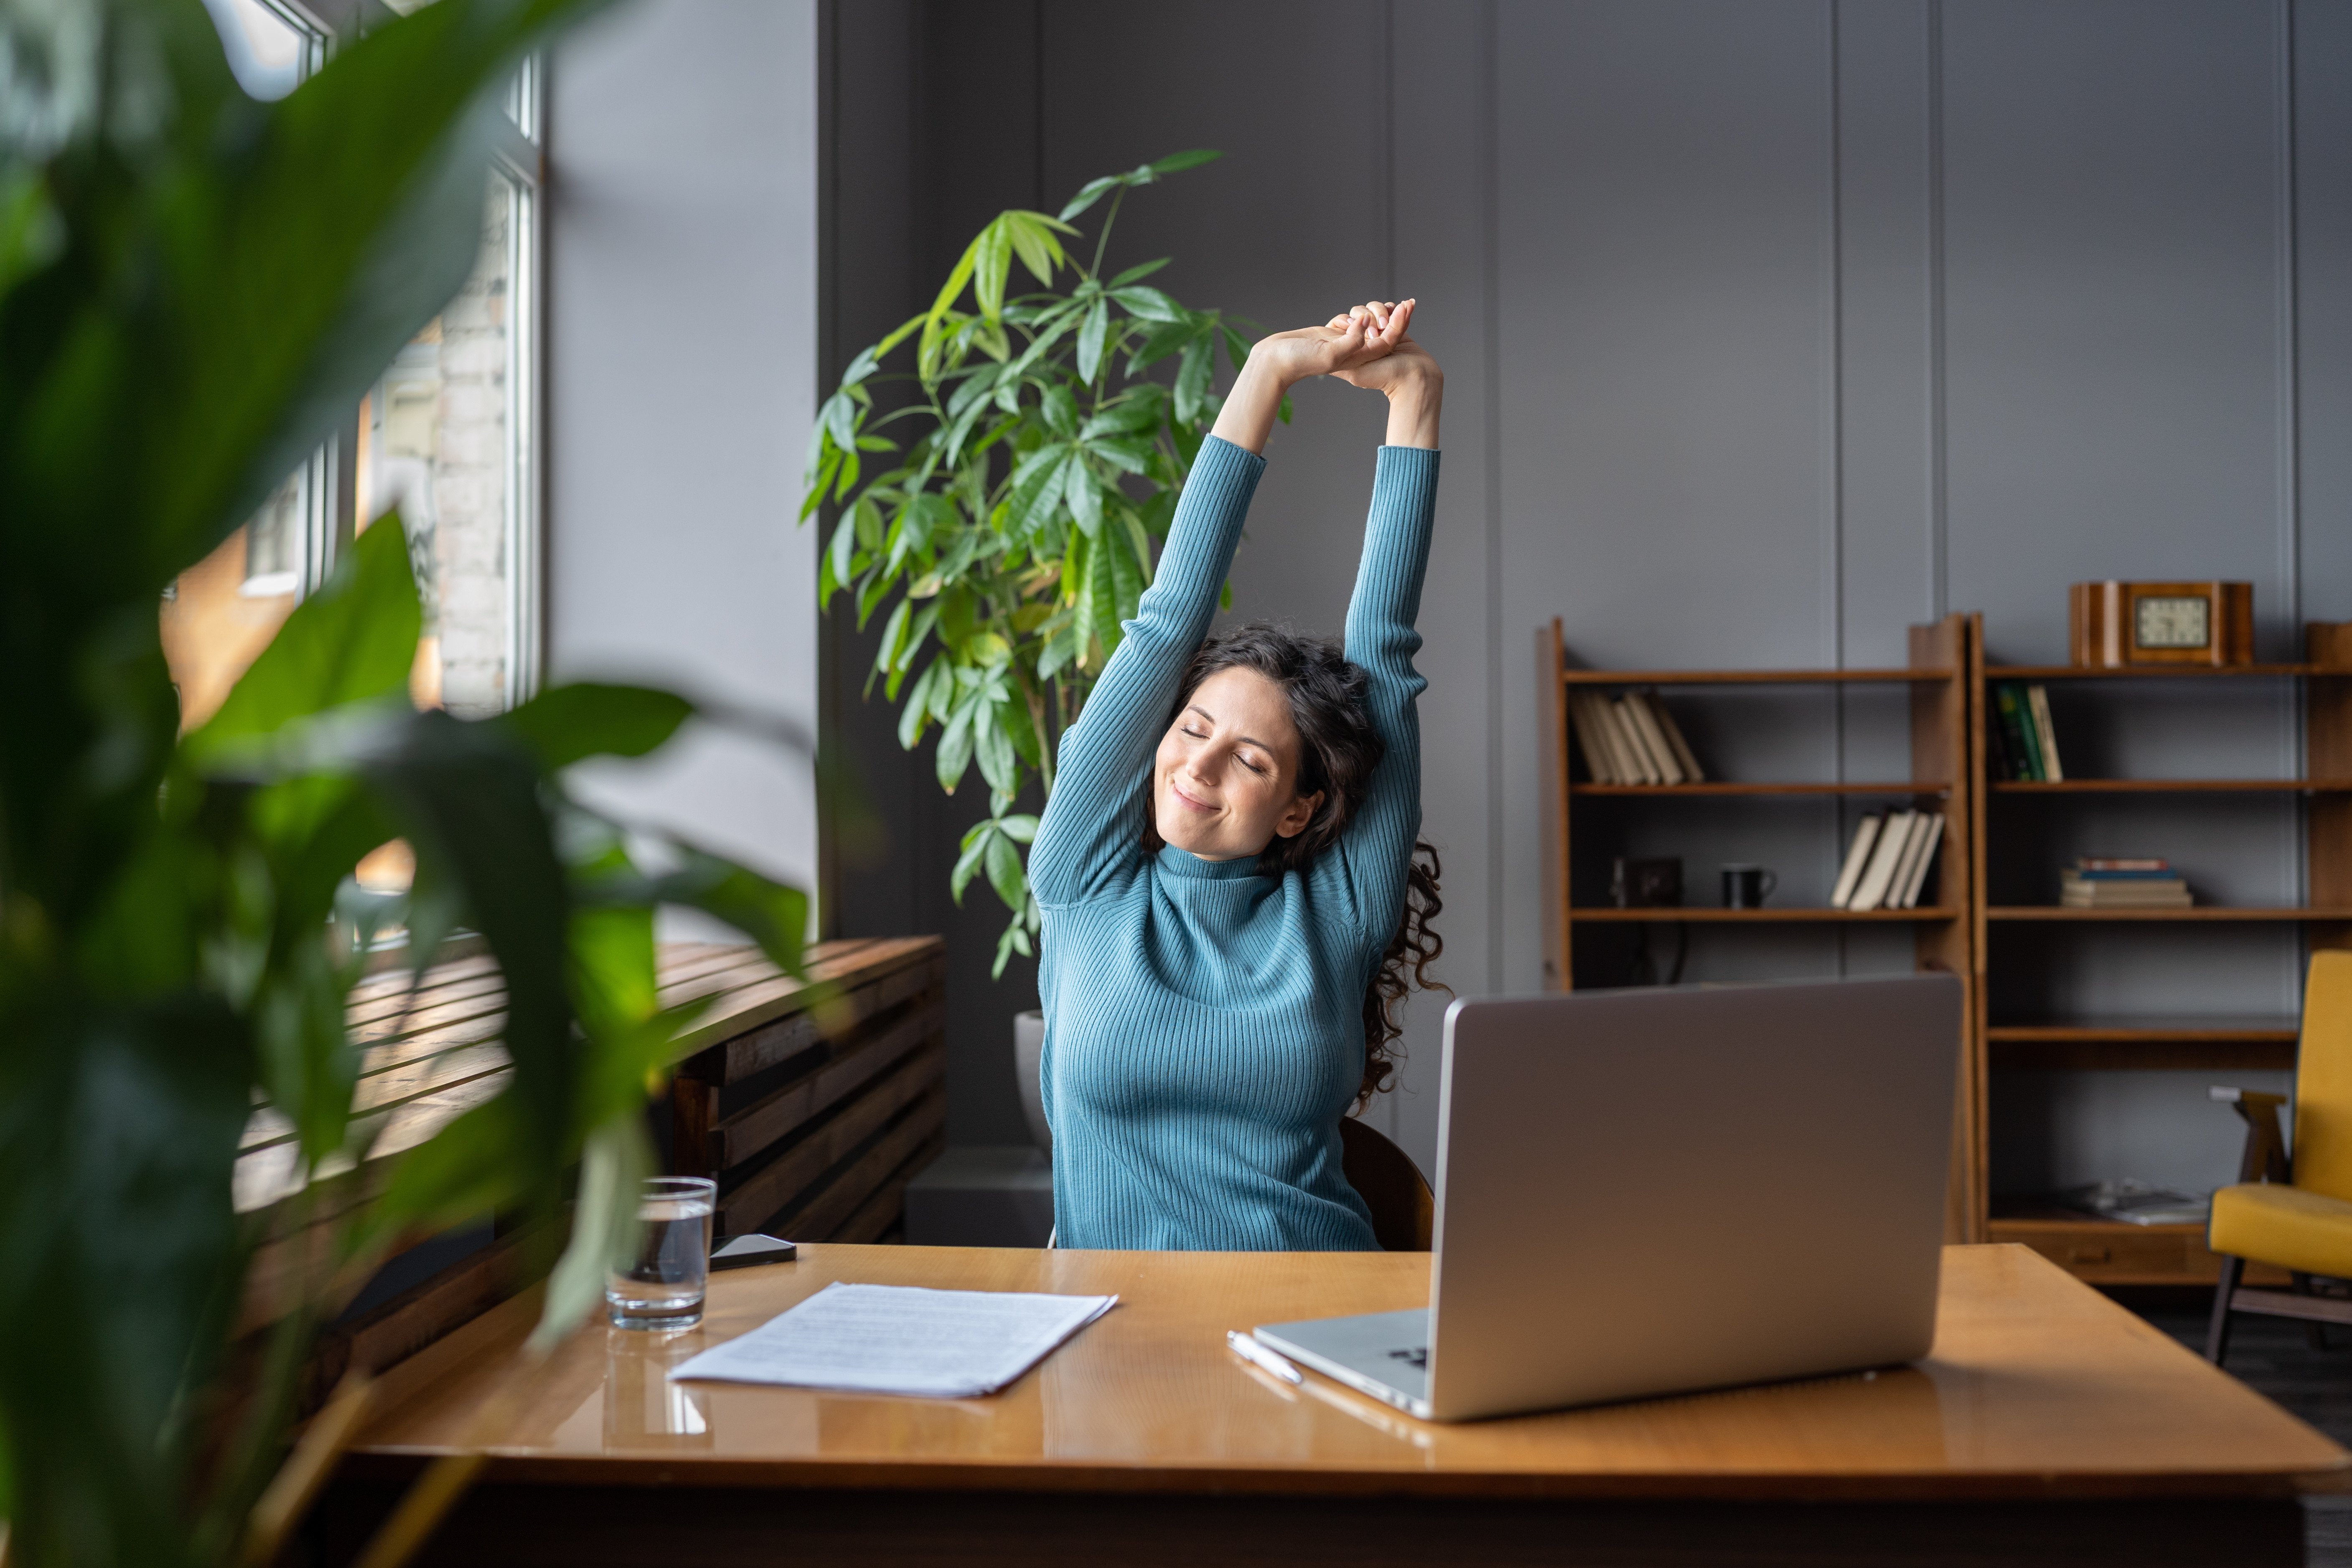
[
  {"x": 1247, "y": 418},
  {"x": 1413, "y": 404}
]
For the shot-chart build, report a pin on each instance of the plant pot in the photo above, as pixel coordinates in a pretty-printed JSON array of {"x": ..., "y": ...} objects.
[{"x": 1028, "y": 1055}]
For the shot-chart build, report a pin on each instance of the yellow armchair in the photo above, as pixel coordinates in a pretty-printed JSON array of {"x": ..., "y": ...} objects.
[{"x": 2294, "y": 1213}]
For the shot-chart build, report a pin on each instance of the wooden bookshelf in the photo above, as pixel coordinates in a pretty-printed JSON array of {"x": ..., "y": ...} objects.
[
  {"x": 2101, "y": 1251},
  {"x": 1943, "y": 731}
]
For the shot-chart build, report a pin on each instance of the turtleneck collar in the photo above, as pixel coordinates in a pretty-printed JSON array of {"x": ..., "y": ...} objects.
[{"x": 1178, "y": 862}]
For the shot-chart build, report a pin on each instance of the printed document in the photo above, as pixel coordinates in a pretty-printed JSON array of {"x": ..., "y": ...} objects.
[{"x": 894, "y": 1339}]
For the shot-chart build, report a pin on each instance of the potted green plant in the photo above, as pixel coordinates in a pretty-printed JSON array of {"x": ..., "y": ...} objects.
[
  {"x": 194, "y": 288},
  {"x": 1004, "y": 525}
]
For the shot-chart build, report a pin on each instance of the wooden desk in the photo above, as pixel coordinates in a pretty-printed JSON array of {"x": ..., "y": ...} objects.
[{"x": 2048, "y": 1425}]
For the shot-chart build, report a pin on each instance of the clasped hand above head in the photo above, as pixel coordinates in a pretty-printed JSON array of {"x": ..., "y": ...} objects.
[{"x": 1367, "y": 346}]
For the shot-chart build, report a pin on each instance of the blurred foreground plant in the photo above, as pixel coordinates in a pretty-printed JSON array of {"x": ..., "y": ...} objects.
[
  {"x": 1015, "y": 520},
  {"x": 194, "y": 288}
]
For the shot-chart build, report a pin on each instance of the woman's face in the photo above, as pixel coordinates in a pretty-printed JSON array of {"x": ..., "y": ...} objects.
[{"x": 1225, "y": 783}]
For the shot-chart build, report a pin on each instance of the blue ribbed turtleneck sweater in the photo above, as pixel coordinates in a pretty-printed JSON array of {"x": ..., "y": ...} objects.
[{"x": 1204, "y": 1021}]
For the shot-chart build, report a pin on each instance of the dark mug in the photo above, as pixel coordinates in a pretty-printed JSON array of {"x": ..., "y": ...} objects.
[{"x": 1747, "y": 887}]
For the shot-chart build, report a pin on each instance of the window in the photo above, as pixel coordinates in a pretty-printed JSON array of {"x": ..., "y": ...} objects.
[
  {"x": 271, "y": 46},
  {"x": 446, "y": 435}
]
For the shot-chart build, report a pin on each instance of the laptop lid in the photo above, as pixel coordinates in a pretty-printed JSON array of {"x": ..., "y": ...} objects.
[{"x": 1652, "y": 1191}]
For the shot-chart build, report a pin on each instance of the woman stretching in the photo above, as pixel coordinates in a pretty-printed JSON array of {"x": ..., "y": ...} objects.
[{"x": 1227, "y": 867}]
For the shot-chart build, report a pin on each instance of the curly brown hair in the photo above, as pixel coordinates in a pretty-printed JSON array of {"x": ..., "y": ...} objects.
[{"x": 1338, "y": 750}]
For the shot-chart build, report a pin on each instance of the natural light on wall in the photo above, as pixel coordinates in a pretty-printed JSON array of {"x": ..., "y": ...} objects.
[{"x": 446, "y": 437}]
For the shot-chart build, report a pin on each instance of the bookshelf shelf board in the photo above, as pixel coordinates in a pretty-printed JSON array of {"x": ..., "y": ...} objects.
[
  {"x": 2145, "y": 671},
  {"x": 1610, "y": 914},
  {"x": 1742, "y": 677},
  {"x": 2187, "y": 1030},
  {"x": 2051, "y": 1217},
  {"x": 2222, "y": 912},
  {"x": 1917, "y": 787},
  {"x": 2172, "y": 786},
  {"x": 2226, "y": 1055}
]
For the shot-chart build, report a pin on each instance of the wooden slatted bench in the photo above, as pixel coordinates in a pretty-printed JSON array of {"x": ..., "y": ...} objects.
[{"x": 812, "y": 1104}]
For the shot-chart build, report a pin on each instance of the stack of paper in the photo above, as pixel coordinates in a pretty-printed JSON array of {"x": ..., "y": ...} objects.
[{"x": 891, "y": 1339}]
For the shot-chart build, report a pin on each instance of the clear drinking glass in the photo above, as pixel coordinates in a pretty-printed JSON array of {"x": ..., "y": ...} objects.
[{"x": 663, "y": 1287}]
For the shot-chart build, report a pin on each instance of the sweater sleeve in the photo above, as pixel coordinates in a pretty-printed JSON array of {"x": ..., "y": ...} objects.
[
  {"x": 1363, "y": 880},
  {"x": 1093, "y": 827}
]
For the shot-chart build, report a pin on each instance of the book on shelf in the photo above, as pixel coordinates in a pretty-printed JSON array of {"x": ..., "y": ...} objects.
[
  {"x": 1657, "y": 757},
  {"x": 2132, "y": 884},
  {"x": 2045, "y": 738},
  {"x": 2134, "y": 1202},
  {"x": 1630, "y": 740},
  {"x": 1929, "y": 834},
  {"x": 1870, "y": 893},
  {"x": 2021, "y": 740},
  {"x": 1857, "y": 860},
  {"x": 1692, "y": 771}
]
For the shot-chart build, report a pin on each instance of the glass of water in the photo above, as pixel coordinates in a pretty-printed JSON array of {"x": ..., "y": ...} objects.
[{"x": 663, "y": 1287}]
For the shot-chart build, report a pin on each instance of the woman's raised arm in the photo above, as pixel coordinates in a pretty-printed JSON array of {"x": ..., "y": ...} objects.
[
  {"x": 1094, "y": 824},
  {"x": 1367, "y": 871}
]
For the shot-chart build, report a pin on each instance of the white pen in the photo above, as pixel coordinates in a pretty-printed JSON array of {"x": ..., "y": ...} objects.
[{"x": 1250, "y": 1350}]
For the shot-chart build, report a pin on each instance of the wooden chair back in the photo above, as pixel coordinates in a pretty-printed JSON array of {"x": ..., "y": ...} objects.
[
  {"x": 2323, "y": 1079},
  {"x": 1404, "y": 1211}
]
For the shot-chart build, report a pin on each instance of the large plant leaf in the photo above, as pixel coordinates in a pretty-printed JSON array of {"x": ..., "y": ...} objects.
[
  {"x": 353, "y": 640},
  {"x": 566, "y": 724},
  {"x": 117, "y": 1126}
]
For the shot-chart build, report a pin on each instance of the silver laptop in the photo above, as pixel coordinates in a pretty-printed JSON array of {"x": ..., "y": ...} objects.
[{"x": 1649, "y": 1192}]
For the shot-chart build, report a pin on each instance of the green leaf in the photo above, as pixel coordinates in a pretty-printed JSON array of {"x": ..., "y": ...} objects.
[
  {"x": 468, "y": 796},
  {"x": 1090, "y": 341},
  {"x": 993, "y": 260},
  {"x": 1176, "y": 161},
  {"x": 1032, "y": 234},
  {"x": 1137, "y": 273},
  {"x": 350, "y": 216},
  {"x": 1089, "y": 193},
  {"x": 1139, "y": 543},
  {"x": 565, "y": 724},
  {"x": 994, "y": 749},
  {"x": 1193, "y": 381},
  {"x": 353, "y": 640},
  {"x": 955, "y": 748},
  {"x": 604, "y": 1227},
  {"x": 769, "y": 913},
  {"x": 968, "y": 865},
  {"x": 917, "y": 711},
  {"x": 1150, "y": 304},
  {"x": 1004, "y": 872},
  {"x": 886, "y": 655},
  {"x": 1237, "y": 347},
  {"x": 1165, "y": 340},
  {"x": 1083, "y": 498},
  {"x": 1037, "y": 486},
  {"x": 1020, "y": 829},
  {"x": 1060, "y": 410}
]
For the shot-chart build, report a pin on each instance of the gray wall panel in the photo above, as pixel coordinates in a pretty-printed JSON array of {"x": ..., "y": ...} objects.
[
  {"x": 2323, "y": 175},
  {"x": 2111, "y": 304},
  {"x": 682, "y": 288}
]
